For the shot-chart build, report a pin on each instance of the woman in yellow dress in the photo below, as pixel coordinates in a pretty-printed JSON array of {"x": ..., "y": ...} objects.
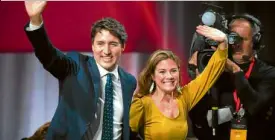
[{"x": 159, "y": 108}]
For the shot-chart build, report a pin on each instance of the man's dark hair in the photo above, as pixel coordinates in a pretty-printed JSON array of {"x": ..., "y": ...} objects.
[{"x": 113, "y": 26}]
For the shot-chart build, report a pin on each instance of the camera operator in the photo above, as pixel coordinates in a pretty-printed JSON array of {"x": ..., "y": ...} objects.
[{"x": 247, "y": 88}]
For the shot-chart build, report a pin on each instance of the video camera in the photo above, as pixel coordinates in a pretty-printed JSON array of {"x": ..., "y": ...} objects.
[{"x": 213, "y": 16}]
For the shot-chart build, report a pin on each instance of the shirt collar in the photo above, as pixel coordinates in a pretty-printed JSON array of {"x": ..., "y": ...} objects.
[{"x": 104, "y": 72}]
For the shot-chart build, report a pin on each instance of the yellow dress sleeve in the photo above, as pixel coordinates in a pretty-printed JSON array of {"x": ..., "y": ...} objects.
[
  {"x": 136, "y": 115},
  {"x": 197, "y": 88}
]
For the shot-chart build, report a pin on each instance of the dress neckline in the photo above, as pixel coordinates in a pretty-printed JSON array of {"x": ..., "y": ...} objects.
[{"x": 159, "y": 111}]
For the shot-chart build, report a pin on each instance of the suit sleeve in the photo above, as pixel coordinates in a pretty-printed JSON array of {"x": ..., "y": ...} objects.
[
  {"x": 256, "y": 97},
  {"x": 53, "y": 60},
  {"x": 197, "y": 88}
]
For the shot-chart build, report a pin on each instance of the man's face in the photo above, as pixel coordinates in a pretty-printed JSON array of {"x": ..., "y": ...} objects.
[
  {"x": 107, "y": 49},
  {"x": 243, "y": 28}
]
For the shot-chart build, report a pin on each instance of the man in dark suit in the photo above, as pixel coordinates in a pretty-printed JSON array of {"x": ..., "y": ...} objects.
[{"x": 94, "y": 99}]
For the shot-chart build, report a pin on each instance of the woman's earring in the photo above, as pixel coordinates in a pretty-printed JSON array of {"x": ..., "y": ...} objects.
[
  {"x": 179, "y": 89},
  {"x": 152, "y": 87}
]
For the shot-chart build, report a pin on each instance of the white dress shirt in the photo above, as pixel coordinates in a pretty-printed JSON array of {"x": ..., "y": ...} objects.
[{"x": 118, "y": 102}]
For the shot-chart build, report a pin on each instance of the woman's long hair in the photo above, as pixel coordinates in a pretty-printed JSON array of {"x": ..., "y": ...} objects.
[{"x": 145, "y": 78}]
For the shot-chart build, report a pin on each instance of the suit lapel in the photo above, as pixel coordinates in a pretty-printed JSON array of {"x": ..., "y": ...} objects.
[
  {"x": 91, "y": 74},
  {"x": 125, "y": 92},
  {"x": 87, "y": 97},
  {"x": 92, "y": 67},
  {"x": 97, "y": 105},
  {"x": 125, "y": 89}
]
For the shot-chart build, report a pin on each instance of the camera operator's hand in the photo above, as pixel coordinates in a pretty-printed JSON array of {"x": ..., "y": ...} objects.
[
  {"x": 232, "y": 67},
  {"x": 214, "y": 34}
]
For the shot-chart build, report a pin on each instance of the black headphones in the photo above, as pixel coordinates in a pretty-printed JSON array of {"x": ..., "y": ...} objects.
[{"x": 256, "y": 25}]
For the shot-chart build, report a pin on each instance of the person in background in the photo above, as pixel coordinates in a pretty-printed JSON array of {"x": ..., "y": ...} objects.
[
  {"x": 40, "y": 133},
  {"x": 249, "y": 91}
]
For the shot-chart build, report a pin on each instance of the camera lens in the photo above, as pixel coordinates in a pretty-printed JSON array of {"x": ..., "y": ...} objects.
[
  {"x": 234, "y": 38},
  {"x": 203, "y": 58}
]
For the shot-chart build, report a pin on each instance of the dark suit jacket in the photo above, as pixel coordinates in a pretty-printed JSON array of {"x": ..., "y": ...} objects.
[
  {"x": 256, "y": 94},
  {"x": 79, "y": 89}
]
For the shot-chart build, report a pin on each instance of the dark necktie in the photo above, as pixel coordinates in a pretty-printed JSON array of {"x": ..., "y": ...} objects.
[{"x": 107, "y": 129}]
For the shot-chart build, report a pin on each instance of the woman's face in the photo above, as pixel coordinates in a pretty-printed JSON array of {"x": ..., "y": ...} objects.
[{"x": 166, "y": 76}]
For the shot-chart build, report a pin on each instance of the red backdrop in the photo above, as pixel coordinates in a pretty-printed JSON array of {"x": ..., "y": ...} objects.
[{"x": 68, "y": 24}]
